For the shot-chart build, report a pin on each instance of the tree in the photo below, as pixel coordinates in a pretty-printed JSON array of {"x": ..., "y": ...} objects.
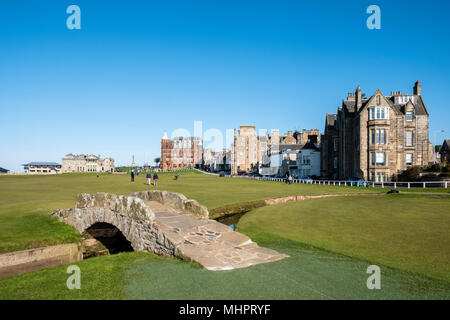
[{"x": 157, "y": 161}]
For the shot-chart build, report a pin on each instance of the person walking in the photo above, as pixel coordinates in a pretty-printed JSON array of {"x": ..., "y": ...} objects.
[
  {"x": 290, "y": 179},
  {"x": 149, "y": 178},
  {"x": 155, "y": 179},
  {"x": 132, "y": 176}
]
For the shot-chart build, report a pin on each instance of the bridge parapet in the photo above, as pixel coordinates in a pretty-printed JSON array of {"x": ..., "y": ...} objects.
[{"x": 174, "y": 200}]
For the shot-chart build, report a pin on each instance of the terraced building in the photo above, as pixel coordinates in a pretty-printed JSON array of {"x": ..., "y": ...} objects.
[{"x": 375, "y": 138}]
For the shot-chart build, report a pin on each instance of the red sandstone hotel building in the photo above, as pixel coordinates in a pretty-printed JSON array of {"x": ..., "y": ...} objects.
[{"x": 181, "y": 152}]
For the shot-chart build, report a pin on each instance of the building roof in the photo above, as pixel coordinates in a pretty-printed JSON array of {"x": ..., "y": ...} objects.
[
  {"x": 349, "y": 106},
  {"x": 446, "y": 143},
  {"x": 291, "y": 147},
  {"x": 71, "y": 156},
  {"x": 3, "y": 170},
  {"x": 41, "y": 164},
  {"x": 310, "y": 145},
  {"x": 420, "y": 107}
]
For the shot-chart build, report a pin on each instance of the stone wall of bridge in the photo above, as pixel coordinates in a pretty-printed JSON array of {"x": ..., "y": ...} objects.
[
  {"x": 168, "y": 224},
  {"x": 129, "y": 214}
]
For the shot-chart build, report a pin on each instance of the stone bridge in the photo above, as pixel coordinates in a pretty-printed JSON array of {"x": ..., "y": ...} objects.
[{"x": 168, "y": 224}]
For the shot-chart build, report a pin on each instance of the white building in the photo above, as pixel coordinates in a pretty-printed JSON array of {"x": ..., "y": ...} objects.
[
  {"x": 308, "y": 161},
  {"x": 42, "y": 168}
]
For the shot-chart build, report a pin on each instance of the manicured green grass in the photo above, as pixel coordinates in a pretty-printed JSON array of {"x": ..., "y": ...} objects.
[
  {"x": 27, "y": 200},
  {"x": 101, "y": 278},
  {"x": 309, "y": 273},
  {"x": 408, "y": 232},
  {"x": 407, "y": 235}
]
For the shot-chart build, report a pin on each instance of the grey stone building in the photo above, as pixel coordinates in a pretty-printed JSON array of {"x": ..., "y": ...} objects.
[
  {"x": 377, "y": 137},
  {"x": 444, "y": 152},
  {"x": 86, "y": 163}
]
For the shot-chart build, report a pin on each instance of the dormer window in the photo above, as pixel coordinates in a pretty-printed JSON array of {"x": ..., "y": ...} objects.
[{"x": 409, "y": 116}]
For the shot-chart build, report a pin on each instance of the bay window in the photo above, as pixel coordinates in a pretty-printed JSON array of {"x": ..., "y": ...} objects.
[
  {"x": 378, "y": 158},
  {"x": 379, "y": 113},
  {"x": 409, "y": 159},
  {"x": 380, "y": 177},
  {"x": 409, "y": 138},
  {"x": 378, "y": 136}
]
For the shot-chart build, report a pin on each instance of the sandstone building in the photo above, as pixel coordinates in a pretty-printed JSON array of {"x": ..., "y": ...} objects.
[
  {"x": 246, "y": 153},
  {"x": 86, "y": 163},
  {"x": 377, "y": 137},
  {"x": 261, "y": 153},
  {"x": 181, "y": 152}
]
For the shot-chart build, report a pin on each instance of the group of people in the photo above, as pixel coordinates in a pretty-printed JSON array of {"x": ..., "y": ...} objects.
[
  {"x": 149, "y": 178},
  {"x": 289, "y": 179}
]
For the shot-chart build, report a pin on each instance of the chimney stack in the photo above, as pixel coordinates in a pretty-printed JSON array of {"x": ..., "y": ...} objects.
[
  {"x": 418, "y": 88},
  {"x": 351, "y": 96},
  {"x": 358, "y": 98}
]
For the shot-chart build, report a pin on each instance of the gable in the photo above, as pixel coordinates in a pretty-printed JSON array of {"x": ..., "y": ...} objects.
[
  {"x": 409, "y": 106},
  {"x": 445, "y": 146},
  {"x": 378, "y": 99}
]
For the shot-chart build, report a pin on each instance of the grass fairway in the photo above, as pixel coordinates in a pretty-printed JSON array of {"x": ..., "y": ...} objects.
[
  {"x": 27, "y": 200},
  {"x": 408, "y": 232},
  {"x": 309, "y": 273}
]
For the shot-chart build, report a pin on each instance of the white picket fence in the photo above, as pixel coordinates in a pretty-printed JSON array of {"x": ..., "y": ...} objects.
[{"x": 427, "y": 184}]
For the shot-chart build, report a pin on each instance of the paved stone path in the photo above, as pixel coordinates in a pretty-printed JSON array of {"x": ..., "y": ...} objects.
[{"x": 211, "y": 244}]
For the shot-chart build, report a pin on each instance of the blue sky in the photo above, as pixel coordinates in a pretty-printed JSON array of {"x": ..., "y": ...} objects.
[{"x": 139, "y": 68}]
